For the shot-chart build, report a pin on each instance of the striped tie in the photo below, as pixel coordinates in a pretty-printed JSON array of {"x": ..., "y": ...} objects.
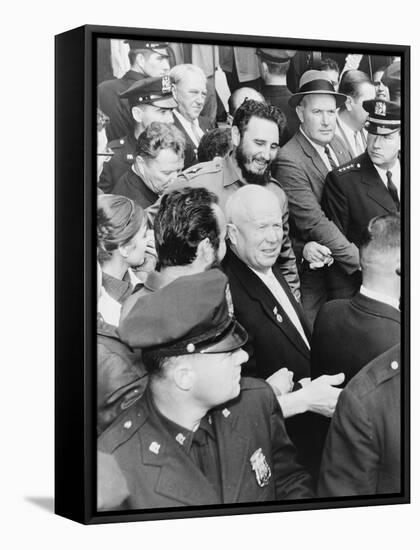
[{"x": 332, "y": 162}]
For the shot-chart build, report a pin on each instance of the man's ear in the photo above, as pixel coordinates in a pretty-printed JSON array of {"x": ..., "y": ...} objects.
[
  {"x": 263, "y": 69},
  {"x": 183, "y": 375},
  {"x": 125, "y": 249},
  {"x": 299, "y": 112},
  {"x": 236, "y": 136},
  {"x": 349, "y": 103},
  {"x": 137, "y": 114},
  {"x": 174, "y": 92},
  {"x": 140, "y": 60},
  {"x": 232, "y": 233},
  {"x": 205, "y": 251}
]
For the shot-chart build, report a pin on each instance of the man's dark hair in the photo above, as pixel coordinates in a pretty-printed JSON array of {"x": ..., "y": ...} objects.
[
  {"x": 329, "y": 64},
  {"x": 216, "y": 143},
  {"x": 381, "y": 236},
  {"x": 251, "y": 108},
  {"x": 184, "y": 219},
  {"x": 351, "y": 82}
]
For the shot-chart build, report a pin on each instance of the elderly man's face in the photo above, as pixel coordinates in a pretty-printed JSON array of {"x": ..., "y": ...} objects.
[
  {"x": 317, "y": 114},
  {"x": 191, "y": 93},
  {"x": 383, "y": 149},
  {"x": 258, "y": 236},
  {"x": 257, "y": 149}
]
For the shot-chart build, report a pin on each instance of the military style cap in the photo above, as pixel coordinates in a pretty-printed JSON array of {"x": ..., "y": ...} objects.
[
  {"x": 193, "y": 314},
  {"x": 152, "y": 45},
  {"x": 274, "y": 55},
  {"x": 384, "y": 116},
  {"x": 151, "y": 91},
  {"x": 315, "y": 82}
]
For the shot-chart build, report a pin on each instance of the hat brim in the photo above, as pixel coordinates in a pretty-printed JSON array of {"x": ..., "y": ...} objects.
[
  {"x": 380, "y": 129},
  {"x": 230, "y": 340},
  {"x": 166, "y": 102},
  {"x": 297, "y": 97}
]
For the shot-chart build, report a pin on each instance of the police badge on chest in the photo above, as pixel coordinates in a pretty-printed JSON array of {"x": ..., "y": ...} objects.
[{"x": 261, "y": 468}]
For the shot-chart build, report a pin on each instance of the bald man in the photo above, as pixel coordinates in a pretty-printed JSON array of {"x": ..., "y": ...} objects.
[
  {"x": 279, "y": 335},
  {"x": 238, "y": 97}
]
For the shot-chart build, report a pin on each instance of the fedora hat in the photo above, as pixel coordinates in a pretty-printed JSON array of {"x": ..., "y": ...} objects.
[{"x": 315, "y": 82}]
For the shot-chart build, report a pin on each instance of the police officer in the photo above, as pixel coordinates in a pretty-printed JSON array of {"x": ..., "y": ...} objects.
[
  {"x": 365, "y": 187},
  {"x": 147, "y": 59},
  {"x": 150, "y": 100},
  {"x": 200, "y": 434}
]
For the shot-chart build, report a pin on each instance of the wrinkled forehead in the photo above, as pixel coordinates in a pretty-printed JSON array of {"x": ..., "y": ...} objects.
[{"x": 262, "y": 210}]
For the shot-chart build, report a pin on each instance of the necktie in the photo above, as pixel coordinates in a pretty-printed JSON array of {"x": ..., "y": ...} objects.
[
  {"x": 392, "y": 189},
  {"x": 332, "y": 162},
  {"x": 196, "y": 132}
]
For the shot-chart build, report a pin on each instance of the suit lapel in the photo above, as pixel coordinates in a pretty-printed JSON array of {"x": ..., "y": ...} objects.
[
  {"x": 312, "y": 154},
  {"x": 228, "y": 438},
  {"x": 376, "y": 189},
  {"x": 338, "y": 146},
  {"x": 190, "y": 142},
  {"x": 257, "y": 290}
]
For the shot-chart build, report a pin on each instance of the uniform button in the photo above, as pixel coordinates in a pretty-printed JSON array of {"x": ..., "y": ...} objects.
[
  {"x": 394, "y": 365},
  {"x": 128, "y": 424}
]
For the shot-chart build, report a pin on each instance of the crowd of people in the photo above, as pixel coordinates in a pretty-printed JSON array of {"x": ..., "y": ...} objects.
[{"x": 248, "y": 246}]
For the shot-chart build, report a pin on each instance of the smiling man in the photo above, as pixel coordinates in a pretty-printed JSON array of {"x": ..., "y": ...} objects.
[
  {"x": 189, "y": 88},
  {"x": 200, "y": 434},
  {"x": 255, "y": 140}
]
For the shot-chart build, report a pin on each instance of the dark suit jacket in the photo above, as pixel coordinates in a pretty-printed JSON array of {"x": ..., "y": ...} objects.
[
  {"x": 350, "y": 333},
  {"x": 362, "y": 454},
  {"x": 132, "y": 186},
  {"x": 271, "y": 344},
  {"x": 159, "y": 473},
  {"x": 301, "y": 172},
  {"x": 190, "y": 155},
  {"x": 121, "y": 161}
]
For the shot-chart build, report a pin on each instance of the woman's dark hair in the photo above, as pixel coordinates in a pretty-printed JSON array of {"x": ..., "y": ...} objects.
[
  {"x": 118, "y": 221},
  {"x": 184, "y": 219},
  {"x": 158, "y": 136}
]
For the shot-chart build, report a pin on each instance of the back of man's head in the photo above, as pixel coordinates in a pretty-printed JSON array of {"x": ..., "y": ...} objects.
[
  {"x": 380, "y": 246},
  {"x": 243, "y": 94},
  {"x": 184, "y": 219},
  {"x": 351, "y": 83}
]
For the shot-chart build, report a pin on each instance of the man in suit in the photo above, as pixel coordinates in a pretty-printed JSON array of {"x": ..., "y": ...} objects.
[
  {"x": 349, "y": 333},
  {"x": 150, "y": 100},
  {"x": 366, "y": 187},
  {"x": 148, "y": 59},
  {"x": 352, "y": 116},
  {"x": 199, "y": 435},
  {"x": 189, "y": 88},
  {"x": 301, "y": 167},
  {"x": 279, "y": 336},
  {"x": 362, "y": 454}
]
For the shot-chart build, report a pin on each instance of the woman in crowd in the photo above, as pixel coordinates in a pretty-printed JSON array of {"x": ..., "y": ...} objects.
[{"x": 122, "y": 242}]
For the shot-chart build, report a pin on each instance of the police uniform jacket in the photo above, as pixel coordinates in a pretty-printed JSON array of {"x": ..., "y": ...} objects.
[
  {"x": 117, "y": 109},
  {"x": 222, "y": 177},
  {"x": 354, "y": 194},
  {"x": 350, "y": 333},
  {"x": 121, "y": 377},
  {"x": 159, "y": 473},
  {"x": 122, "y": 160},
  {"x": 362, "y": 454},
  {"x": 301, "y": 172},
  {"x": 132, "y": 186}
]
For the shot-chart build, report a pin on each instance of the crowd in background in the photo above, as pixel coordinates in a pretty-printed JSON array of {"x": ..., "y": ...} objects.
[{"x": 248, "y": 238}]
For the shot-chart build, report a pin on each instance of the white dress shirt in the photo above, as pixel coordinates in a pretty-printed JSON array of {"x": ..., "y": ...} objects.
[
  {"x": 320, "y": 149},
  {"x": 192, "y": 128},
  {"x": 379, "y": 297}
]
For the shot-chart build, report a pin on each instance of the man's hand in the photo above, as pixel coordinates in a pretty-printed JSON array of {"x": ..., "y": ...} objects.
[
  {"x": 317, "y": 255},
  {"x": 321, "y": 395},
  {"x": 281, "y": 381}
]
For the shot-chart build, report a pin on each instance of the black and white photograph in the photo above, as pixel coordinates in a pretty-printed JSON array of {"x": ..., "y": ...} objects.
[{"x": 249, "y": 236}]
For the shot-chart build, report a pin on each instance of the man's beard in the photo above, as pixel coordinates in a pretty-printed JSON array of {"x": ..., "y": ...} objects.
[{"x": 251, "y": 177}]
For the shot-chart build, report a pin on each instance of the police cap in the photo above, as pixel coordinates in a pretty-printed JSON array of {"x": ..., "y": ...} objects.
[
  {"x": 275, "y": 55},
  {"x": 158, "y": 47},
  {"x": 190, "y": 315},
  {"x": 384, "y": 117},
  {"x": 151, "y": 91}
]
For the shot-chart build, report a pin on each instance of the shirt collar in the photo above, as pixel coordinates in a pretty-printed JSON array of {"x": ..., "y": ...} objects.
[
  {"x": 395, "y": 169},
  {"x": 319, "y": 148},
  {"x": 379, "y": 297}
]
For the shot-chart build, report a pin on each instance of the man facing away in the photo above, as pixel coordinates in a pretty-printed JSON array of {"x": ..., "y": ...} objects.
[{"x": 199, "y": 435}]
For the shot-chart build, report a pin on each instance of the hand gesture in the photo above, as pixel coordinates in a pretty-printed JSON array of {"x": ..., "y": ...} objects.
[{"x": 281, "y": 381}]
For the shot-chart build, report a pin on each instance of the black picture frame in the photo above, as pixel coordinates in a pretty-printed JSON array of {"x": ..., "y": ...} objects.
[{"x": 75, "y": 273}]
